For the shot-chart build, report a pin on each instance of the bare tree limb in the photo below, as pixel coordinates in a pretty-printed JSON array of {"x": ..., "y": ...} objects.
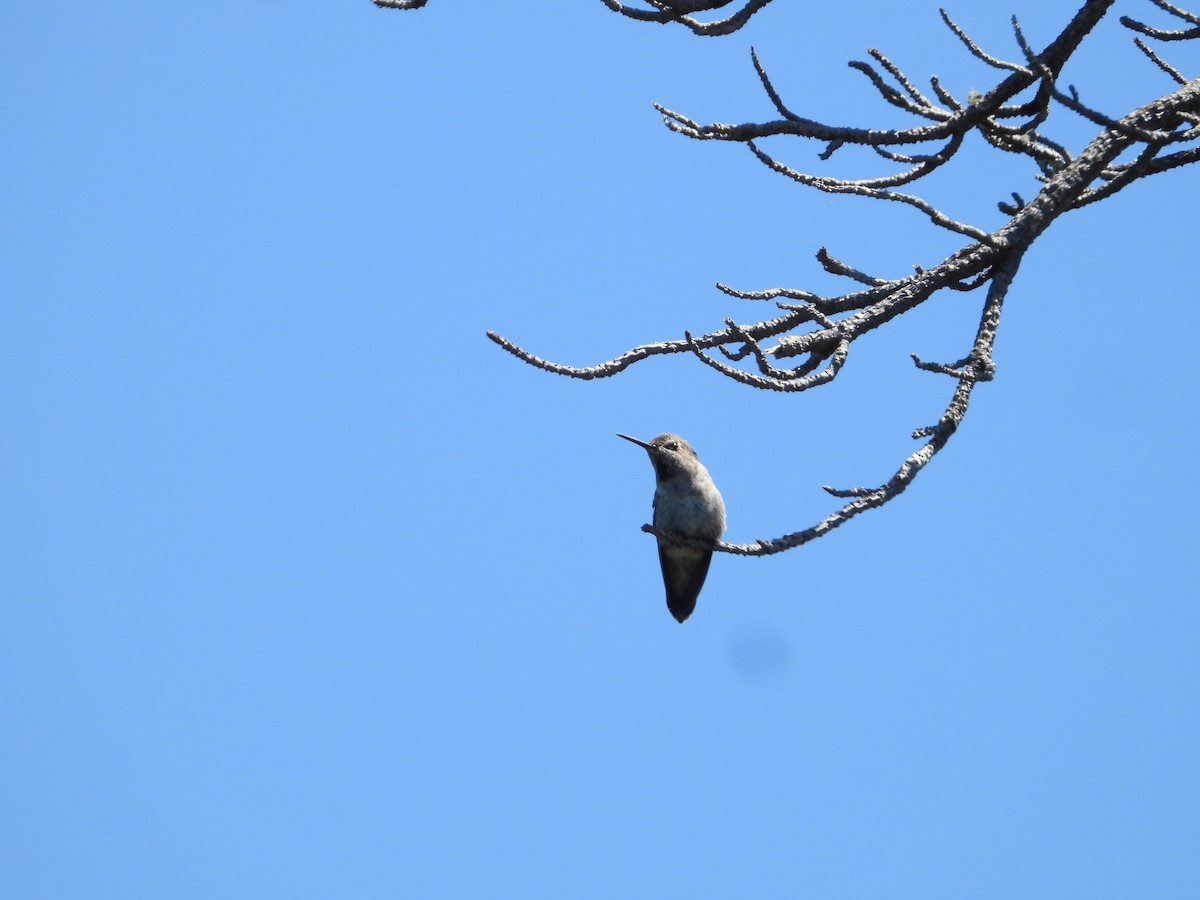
[
  {"x": 978, "y": 366},
  {"x": 680, "y": 11},
  {"x": 1181, "y": 34},
  {"x": 819, "y": 330},
  {"x": 663, "y": 11}
]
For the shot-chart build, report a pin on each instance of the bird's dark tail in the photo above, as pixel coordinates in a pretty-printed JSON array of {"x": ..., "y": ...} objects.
[{"x": 684, "y": 570}]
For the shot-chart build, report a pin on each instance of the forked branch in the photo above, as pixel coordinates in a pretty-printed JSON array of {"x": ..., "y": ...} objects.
[{"x": 818, "y": 332}]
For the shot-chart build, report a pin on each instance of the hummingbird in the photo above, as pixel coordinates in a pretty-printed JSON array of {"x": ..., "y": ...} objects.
[{"x": 686, "y": 502}]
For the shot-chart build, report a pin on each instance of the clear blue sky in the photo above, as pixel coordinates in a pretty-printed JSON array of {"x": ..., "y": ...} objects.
[{"x": 310, "y": 591}]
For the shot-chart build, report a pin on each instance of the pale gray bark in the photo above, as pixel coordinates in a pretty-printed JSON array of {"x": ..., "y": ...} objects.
[{"x": 820, "y": 331}]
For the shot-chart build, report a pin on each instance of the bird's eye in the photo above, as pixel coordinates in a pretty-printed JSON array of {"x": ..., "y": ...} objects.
[{"x": 672, "y": 445}]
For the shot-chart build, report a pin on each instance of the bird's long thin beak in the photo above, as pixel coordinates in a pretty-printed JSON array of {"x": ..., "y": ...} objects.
[{"x": 634, "y": 440}]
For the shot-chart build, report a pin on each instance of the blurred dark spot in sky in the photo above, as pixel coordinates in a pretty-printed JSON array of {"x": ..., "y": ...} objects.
[{"x": 759, "y": 653}]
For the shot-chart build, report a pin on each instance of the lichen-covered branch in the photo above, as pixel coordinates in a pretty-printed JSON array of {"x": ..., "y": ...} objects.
[
  {"x": 976, "y": 367},
  {"x": 816, "y": 333}
]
